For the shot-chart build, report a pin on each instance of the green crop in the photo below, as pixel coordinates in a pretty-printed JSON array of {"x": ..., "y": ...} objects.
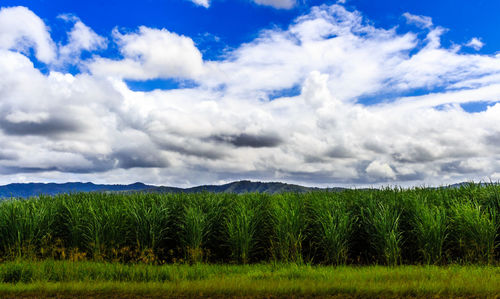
[
  {"x": 388, "y": 226},
  {"x": 242, "y": 219},
  {"x": 332, "y": 227}
]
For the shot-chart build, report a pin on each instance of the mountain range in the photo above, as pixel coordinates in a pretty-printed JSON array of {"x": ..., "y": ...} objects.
[
  {"x": 35, "y": 189},
  {"x": 25, "y": 190}
]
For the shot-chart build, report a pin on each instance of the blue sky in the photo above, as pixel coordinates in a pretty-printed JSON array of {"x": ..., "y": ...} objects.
[
  {"x": 239, "y": 21},
  {"x": 186, "y": 92},
  {"x": 227, "y": 24}
]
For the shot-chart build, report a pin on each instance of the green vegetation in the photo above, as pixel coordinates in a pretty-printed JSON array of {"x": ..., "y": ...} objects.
[
  {"x": 361, "y": 227},
  {"x": 476, "y": 229},
  {"x": 430, "y": 229},
  {"x": 431, "y": 243},
  {"x": 332, "y": 224},
  {"x": 288, "y": 219},
  {"x": 63, "y": 278},
  {"x": 381, "y": 220},
  {"x": 242, "y": 221}
]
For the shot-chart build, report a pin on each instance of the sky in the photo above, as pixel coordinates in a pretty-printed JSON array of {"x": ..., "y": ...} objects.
[{"x": 186, "y": 92}]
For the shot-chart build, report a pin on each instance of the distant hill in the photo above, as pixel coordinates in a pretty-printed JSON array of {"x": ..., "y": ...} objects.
[
  {"x": 35, "y": 189},
  {"x": 239, "y": 187},
  {"x": 245, "y": 187}
]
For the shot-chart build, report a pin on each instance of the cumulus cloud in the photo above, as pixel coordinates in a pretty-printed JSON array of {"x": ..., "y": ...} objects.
[
  {"x": 475, "y": 43},
  {"x": 352, "y": 117},
  {"x": 377, "y": 169},
  {"x": 21, "y": 29},
  {"x": 279, "y": 4},
  {"x": 80, "y": 38},
  {"x": 151, "y": 53}
]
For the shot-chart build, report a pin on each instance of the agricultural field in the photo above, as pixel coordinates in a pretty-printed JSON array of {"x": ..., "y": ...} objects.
[
  {"x": 91, "y": 279},
  {"x": 390, "y": 242}
]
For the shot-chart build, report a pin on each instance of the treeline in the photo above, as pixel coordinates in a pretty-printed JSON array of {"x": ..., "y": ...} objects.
[{"x": 390, "y": 227}]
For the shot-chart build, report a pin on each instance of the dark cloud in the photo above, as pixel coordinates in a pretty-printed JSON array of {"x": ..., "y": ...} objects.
[
  {"x": 50, "y": 127},
  {"x": 121, "y": 159},
  {"x": 8, "y": 156},
  {"x": 339, "y": 152},
  {"x": 95, "y": 167},
  {"x": 15, "y": 170},
  {"x": 414, "y": 154},
  {"x": 411, "y": 177},
  {"x": 133, "y": 158},
  {"x": 493, "y": 139},
  {"x": 98, "y": 164},
  {"x": 374, "y": 147},
  {"x": 191, "y": 150},
  {"x": 314, "y": 159},
  {"x": 249, "y": 140},
  {"x": 456, "y": 167}
]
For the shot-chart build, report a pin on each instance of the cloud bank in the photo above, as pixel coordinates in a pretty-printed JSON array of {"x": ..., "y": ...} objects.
[{"x": 368, "y": 106}]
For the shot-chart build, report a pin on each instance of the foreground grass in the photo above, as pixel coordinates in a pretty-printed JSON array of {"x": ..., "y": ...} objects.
[{"x": 84, "y": 279}]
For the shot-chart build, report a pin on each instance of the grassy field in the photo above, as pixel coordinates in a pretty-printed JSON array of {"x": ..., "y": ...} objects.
[
  {"x": 360, "y": 227},
  {"x": 386, "y": 243},
  {"x": 64, "y": 278}
]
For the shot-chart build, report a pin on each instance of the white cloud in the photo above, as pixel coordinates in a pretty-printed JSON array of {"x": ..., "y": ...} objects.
[
  {"x": 475, "y": 43},
  {"x": 316, "y": 130},
  {"x": 379, "y": 169},
  {"x": 495, "y": 177},
  {"x": 204, "y": 3},
  {"x": 152, "y": 53},
  {"x": 22, "y": 117},
  {"x": 279, "y": 4},
  {"x": 80, "y": 38},
  {"x": 420, "y": 21},
  {"x": 21, "y": 29}
]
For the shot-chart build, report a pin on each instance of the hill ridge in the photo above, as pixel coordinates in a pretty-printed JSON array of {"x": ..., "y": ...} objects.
[
  {"x": 24, "y": 190},
  {"x": 244, "y": 186}
]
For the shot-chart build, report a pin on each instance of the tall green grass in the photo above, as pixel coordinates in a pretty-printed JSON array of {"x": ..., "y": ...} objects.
[
  {"x": 332, "y": 227},
  {"x": 389, "y": 226},
  {"x": 476, "y": 230},
  {"x": 96, "y": 223},
  {"x": 23, "y": 226},
  {"x": 149, "y": 222},
  {"x": 242, "y": 218},
  {"x": 382, "y": 224},
  {"x": 430, "y": 228},
  {"x": 198, "y": 225},
  {"x": 288, "y": 219}
]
